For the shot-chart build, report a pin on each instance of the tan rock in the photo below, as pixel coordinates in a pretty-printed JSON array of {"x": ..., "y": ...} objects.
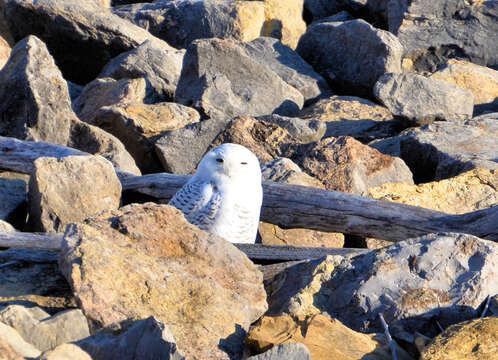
[
  {"x": 8, "y": 353},
  {"x": 14, "y": 345},
  {"x": 137, "y": 124},
  {"x": 248, "y": 19},
  {"x": 284, "y": 21},
  {"x": 325, "y": 338},
  {"x": 5, "y": 226},
  {"x": 64, "y": 352},
  {"x": 71, "y": 189},
  {"x": 148, "y": 260},
  {"x": 4, "y": 51},
  {"x": 470, "y": 340},
  {"x": 473, "y": 190}
]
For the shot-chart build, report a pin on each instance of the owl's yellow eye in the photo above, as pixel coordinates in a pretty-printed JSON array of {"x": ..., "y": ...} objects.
[{"x": 220, "y": 160}]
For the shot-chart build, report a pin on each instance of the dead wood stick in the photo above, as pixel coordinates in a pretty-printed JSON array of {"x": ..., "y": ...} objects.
[{"x": 47, "y": 241}]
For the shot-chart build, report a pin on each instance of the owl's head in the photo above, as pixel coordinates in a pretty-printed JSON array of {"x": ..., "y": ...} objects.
[{"x": 230, "y": 162}]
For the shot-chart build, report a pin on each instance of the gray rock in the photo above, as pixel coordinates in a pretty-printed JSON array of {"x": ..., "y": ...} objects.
[
  {"x": 285, "y": 351},
  {"x": 63, "y": 352},
  {"x": 302, "y": 130},
  {"x": 420, "y": 100},
  {"x": 129, "y": 340},
  {"x": 320, "y": 9},
  {"x": 159, "y": 67},
  {"x": 181, "y": 150},
  {"x": 16, "y": 344},
  {"x": 80, "y": 35},
  {"x": 288, "y": 65},
  {"x": 445, "y": 149},
  {"x": 351, "y": 54},
  {"x": 439, "y": 276},
  {"x": 42, "y": 330},
  {"x": 433, "y": 31},
  {"x": 220, "y": 79},
  {"x": 13, "y": 196}
]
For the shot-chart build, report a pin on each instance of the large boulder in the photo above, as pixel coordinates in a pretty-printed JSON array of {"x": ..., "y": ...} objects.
[
  {"x": 13, "y": 199},
  {"x": 148, "y": 260},
  {"x": 220, "y": 79},
  {"x": 4, "y": 51},
  {"x": 285, "y": 351},
  {"x": 13, "y": 346}
]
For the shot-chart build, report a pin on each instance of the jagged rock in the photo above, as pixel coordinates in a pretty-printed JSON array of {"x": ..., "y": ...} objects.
[
  {"x": 324, "y": 337},
  {"x": 302, "y": 130},
  {"x": 4, "y": 51},
  {"x": 107, "y": 91},
  {"x": 285, "y": 351},
  {"x": 482, "y": 81},
  {"x": 443, "y": 276},
  {"x": 433, "y": 31},
  {"x": 345, "y": 164},
  {"x": 42, "y": 330},
  {"x": 435, "y": 100},
  {"x": 467, "y": 192},
  {"x": 159, "y": 67},
  {"x": 74, "y": 90},
  {"x": 148, "y": 260},
  {"x": 33, "y": 278},
  {"x": 470, "y": 340},
  {"x": 138, "y": 125},
  {"x": 80, "y": 35},
  {"x": 352, "y": 116},
  {"x": 180, "y": 22},
  {"x": 128, "y": 340},
  {"x": 65, "y": 351},
  {"x": 71, "y": 189},
  {"x": 351, "y": 54},
  {"x": 285, "y": 171},
  {"x": 284, "y": 21},
  {"x": 13, "y": 196},
  {"x": 13, "y": 346},
  {"x": 212, "y": 82},
  {"x": 288, "y": 65},
  {"x": 181, "y": 150},
  {"x": 6, "y": 227},
  {"x": 445, "y": 149}
]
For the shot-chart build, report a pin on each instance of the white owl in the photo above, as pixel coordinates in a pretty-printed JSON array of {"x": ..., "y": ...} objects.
[{"x": 225, "y": 194}]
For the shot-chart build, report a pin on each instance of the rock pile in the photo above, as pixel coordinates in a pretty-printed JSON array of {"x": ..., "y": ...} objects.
[{"x": 368, "y": 101}]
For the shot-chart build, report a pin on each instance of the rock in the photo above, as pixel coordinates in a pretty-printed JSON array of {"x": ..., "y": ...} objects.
[
  {"x": 147, "y": 260},
  {"x": 467, "y": 192},
  {"x": 284, "y": 21},
  {"x": 285, "y": 351},
  {"x": 345, "y": 164},
  {"x": 439, "y": 276},
  {"x": 64, "y": 352},
  {"x": 32, "y": 278},
  {"x": 435, "y": 100},
  {"x": 80, "y": 35},
  {"x": 90, "y": 183},
  {"x": 352, "y": 116},
  {"x": 6, "y": 227},
  {"x": 445, "y": 149},
  {"x": 138, "y": 125},
  {"x": 13, "y": 346},
  {"x": 212, "y": 82},
  {"x": 470, "y": 340},
  {"x": 432, "y": 32},
  {"x": 287, "y": 64},
  {"x": 324, "y": 337},
  {"x": 350, "y": 54},
  {"x": 181, "y": 150},
  {"x": 74, "y": 90},
  {"x": 482, "y": 81},
  {"x": 285, "y": 171},
  {"x": 159, "y": 66},
  {"x": 128, "y": 340},
  {"x": 13, "y": 196},
  {"x": 106, "y": 91},
  {"x": 180, "y": 22},
  {"x": 302, "y": 130},
  {"x": 319, "y": 10},
  {"x": 4, "y": 51},
  {"x": 42, "y": 330}
]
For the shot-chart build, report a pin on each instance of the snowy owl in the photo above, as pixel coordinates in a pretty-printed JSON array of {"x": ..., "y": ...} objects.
[{"x": 225, "y": 194}]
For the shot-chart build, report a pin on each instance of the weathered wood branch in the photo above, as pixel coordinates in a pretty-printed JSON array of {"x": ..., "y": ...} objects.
[
  {"x": 47, "y": 241},
  {"x": 295, "y": 206}
]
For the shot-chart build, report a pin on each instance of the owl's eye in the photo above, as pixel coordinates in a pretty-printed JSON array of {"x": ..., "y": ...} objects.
[
  {"x": 220, "y": 160},
  {"x": 244, "y": 163}
]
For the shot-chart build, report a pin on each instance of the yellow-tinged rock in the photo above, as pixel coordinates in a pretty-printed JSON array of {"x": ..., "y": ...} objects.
[
  {"x": 249, "y": 18},
  {"x": 284, "y": 21},
  {"x": 470, "y": 340},
  {"x": 4, "y": 51}
]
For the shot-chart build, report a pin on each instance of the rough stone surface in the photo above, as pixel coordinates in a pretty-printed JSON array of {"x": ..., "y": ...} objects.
[
  {"x": 285, "y": 351},
  {"x": 302, "y": 130},
  {"x": 482, "y": 81},
  {"x": 470, "y": 191},
  {"x": 351, "y": 54},
  {"x": 181, "y": 150},
  {"x": 148, "y": 260},
  {"x": 13, "y": 196},
  {"x": 352, "y": 116},
  {"x": 434, "y": 100},
  {"x": 345, "y": 164},
  {"x": 284, "y": 21},
  {"x": 64, "y": 352},
  {"x": 288, "y": 65},
  {"x": 220, "y": 79},
  {"x": 13, "y": 346},
  {"x": 470, "y": 340},
  {"x": 42, "y": 330},
  {"x": 325, "y": 338},
  {"x": 4, "y": 51},
  {"x": 71, "y": 189},
  {"x": 445, "y": 149},
  {"x": 446, "y": 276},
  {"x": 5, "y": 226},
  {"x": 94, "y": 35}
]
